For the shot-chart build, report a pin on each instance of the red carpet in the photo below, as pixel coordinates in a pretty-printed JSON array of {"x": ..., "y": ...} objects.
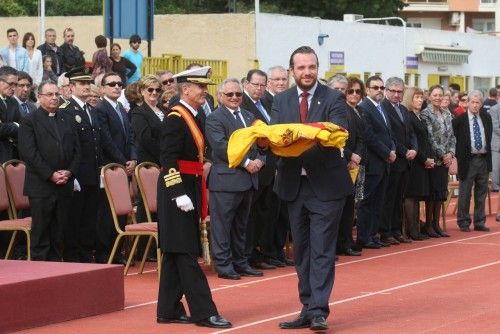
[{"x": 39, "y": 293}]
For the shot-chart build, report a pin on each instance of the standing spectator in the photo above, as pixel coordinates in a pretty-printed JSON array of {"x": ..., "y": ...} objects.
[
  {"x": 124, "y": 67},
  {"x": 23, "y": 92},
  {"x": 231, "y": 190},
  {"x": 338, "y": 82},
  {"x": 64, "y": 88},
  {"x": 9, "y": 114},
  {"x": 354, "y": 152},
  {"x": 48, "y": 144},
  {"x": 135, "y": 56},
  {"x": 51, "y": 49},
  {"x": 462, "y": 104},
  {"x": 48, "y": 74},
  {"x": 418, "y": 188},
  {"x": 315, "y": 186},
  {"x": 491, "y": 100},
  {"x": 72, "y": 56},
  {"x": 495, "y": 149},
  {"x": 132, "y": 96},
  {"x": 442, "y": 141},
  {"x": 406, "y": 150},
  {"x": 445, "y": 103},
  {"x": 34, "y": 58},
  {"x": 380, "y": 153},
  {"x": 14, "y": 55},
  {"x": 454, "y": 98},
  {"x": 168, "y": 86},
  {"x": 100, "y": 60},
  {"x": 473, "y": 131}
]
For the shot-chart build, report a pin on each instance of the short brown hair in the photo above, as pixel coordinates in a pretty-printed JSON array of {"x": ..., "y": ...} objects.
[
  {"x": 101, "y": 41},
  {"x": 305, "y": 50}
]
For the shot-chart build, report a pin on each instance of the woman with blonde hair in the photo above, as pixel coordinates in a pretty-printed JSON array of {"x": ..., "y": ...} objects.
[
  {"x": 442, "y": 142},
  {"x": 418, "y": 189}
]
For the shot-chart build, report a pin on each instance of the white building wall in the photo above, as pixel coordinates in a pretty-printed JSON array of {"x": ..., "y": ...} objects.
[{"x": 371, "y": 48}]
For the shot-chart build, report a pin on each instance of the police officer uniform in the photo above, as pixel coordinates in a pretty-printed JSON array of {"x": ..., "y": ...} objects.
[{"x": 182, "y": 150}]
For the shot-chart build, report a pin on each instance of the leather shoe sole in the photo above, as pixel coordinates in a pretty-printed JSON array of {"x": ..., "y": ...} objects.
[
  {"x": 250, "y": 273},
  {"x": 233, "y": 276},
  {"x": 215, "y": 321},
  {"x": 297, "y": 323},
  {"x": 183, "y": 319},
  {"x": 351, "y": 252}
]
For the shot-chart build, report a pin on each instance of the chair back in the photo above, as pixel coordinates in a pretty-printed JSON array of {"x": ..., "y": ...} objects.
[
  {"x": 4, "y": 197},
  {"x": 147, "y": 174},
  {"x": 15, "y": 172},
  {"x": 117, "y": 191}
]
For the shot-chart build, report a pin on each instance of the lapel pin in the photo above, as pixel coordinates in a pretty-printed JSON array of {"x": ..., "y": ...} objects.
[{"x": 319, "y": 103}]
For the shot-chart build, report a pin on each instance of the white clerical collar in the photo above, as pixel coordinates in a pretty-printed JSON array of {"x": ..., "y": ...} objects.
[{"x": 191, "y": 109}]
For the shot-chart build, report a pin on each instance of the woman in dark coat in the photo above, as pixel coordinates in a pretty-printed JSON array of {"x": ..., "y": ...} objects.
[{"x": 418, "y": 188}]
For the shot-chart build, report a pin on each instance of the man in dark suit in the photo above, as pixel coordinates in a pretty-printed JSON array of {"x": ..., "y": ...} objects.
[
  {"x": 406, "y": 149},
  {"x": 473, "y": 130},
  {"x": 180, "y": 206},
  {"x": 23, "y": 92},
  {"x": 80, "y": 233},
  {"x": 277, "y": 82},
  {"x": 50, "y": 48},
  {"x": 314, "y": 185},
  {"x": 9, "y": 114},
  {"x": 115, "y": 128},
  {"x": 265, "y": 205},
  {"x": 49, "y": 146},
  {"x": 381, "y": 152},
  {"x": 230, "y": 189}
]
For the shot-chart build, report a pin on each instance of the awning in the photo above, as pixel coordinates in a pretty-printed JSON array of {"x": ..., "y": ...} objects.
[{"x": 443, "y": 54}]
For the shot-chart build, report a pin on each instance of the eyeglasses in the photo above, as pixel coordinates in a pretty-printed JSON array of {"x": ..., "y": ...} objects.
[
  {"x": 114, "y": 84},
  {"x": 377, "y": 87},
  {"x": 24, "y": 85},
  {"x": 50, "y": 94},
  {"x": 237, "y": 94},
  {"x": 395, "y": 91},
  {"x": 136, "y": 42},
  {"x": 12, "y": 84},
  {"x": 151, "y": 90},
  {"x": 352, "y": 91},
  {"x": 168, "y": 81},
  {"x": 256, "y": 85}
]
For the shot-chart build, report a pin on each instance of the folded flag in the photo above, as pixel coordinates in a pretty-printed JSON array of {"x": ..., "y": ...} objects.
[{"x": 286, "y": 140}]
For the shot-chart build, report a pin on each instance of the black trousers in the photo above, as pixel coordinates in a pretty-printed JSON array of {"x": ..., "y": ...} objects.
[
  {"x": 49, "y": 216},
  {"x": 80, "y": 233},
  {"x": 391, "y": 219},
  {"x": 261, "y": 225},
  {"x": 345, "y": 240},
  {"x": 105, "y": 228},
  {"x": 181, "y": 275}
]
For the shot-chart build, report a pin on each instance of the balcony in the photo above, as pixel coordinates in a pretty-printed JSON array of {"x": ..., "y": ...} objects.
[
  {"x": 430, "y": 2},
  {"x": 426, "y": 5}
]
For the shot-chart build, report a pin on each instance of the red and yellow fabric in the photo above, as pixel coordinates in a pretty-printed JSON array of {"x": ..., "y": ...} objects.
[{"x": 286, "y": 140}]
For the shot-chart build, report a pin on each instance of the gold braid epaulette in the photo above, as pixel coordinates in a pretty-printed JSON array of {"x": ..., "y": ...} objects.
[
  {"x": 174, "y": 113},
  {"x": 172, "y": 178}
]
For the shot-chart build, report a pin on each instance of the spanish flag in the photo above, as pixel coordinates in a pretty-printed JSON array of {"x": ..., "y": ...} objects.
[{"x": 286, "y": 140}]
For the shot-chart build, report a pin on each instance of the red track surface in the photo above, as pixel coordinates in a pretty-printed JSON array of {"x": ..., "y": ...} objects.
[{"x": 445, "y": 285}]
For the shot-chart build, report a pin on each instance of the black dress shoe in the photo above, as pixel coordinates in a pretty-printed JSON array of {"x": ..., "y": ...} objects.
[
  {"x": 215, "y": 321},
  {"x": 276, "y": 263},
  {"x": 299, "y": 322},
  {"x": 357, "y": 248},
  {"x": 497, "y": 218},
  {"x": 481, "y": 228},
  {"x": 229, "y": 275},
  {"x": 382, "y": 243},
  {"x": 388, "y": 240},
  {"x": 289, "y": 262},
  {"x": 263, "y": 265},
  {"x": 182, "y": 319},
  {"x": 402, "y": 239},
  {"x": 250, "y": 272},
  {"x": 318, "y": 324},
  {"x": 464, "y": 228},
  {"x": 372, "y": 245},
  {"x": 351, "y": 252}
]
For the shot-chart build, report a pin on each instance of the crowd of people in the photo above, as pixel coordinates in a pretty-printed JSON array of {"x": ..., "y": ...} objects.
[{"x": 66, "y": 122}]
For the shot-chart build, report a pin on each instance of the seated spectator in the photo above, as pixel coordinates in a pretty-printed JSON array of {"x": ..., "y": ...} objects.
[{"x": 121, "y": 65}]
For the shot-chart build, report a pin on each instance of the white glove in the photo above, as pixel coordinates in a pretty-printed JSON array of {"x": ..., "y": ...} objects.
[
  {"x": 184, "y": 203},
  {"x": 76, "y": 186}
]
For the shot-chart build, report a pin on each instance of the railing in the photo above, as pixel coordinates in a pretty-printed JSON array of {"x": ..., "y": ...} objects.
[
  {"x": 426, "y": 1},
  {"x": 176, "y": 63}
]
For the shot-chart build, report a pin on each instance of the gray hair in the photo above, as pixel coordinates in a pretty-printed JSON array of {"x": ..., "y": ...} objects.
[
  {"x": 394, "y": 81},
  {"x": 475, "y": 93},
  {"x": 61, "y": 79},
  {"x": 49, "y": 30},
  {"x": 162, "y": 72},
  {"x": 337, "y": 78},
  {"x": 225, "y": 82},
  {"x": 275, "y": 68}
]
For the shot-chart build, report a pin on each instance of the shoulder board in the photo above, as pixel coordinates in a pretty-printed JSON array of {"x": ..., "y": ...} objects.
[
  {"x": 174, "y": 113},
  {"x": 64, "y": 105}
]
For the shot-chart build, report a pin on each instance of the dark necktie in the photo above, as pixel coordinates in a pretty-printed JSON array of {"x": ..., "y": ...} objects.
[
  {"x": 86, "y": 108},
  {"x": 118, "y": 111},
  {"x": 381, "y": 112},
  {"x": 304, "y": 107},
  {"x": 25, "y": 108},
  {"x": 238, "y": 118},
  {"x": 478, "y": 142},
  {"x": 262, "y": 111},
  {"x": 398, "y": 111}
]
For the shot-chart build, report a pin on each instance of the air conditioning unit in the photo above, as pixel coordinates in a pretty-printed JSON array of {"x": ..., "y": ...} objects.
[
  {"x": 352, "y": 17},
  {"x": 455, "y": 19}
]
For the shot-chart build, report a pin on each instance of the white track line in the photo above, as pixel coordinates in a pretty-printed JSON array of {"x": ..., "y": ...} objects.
[
  {"x": 384, "y": 291},
  {"x": 337, "y": 265}
]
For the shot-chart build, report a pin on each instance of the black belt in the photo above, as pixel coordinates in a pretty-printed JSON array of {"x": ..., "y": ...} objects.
[{"x": 479, "y": 155}]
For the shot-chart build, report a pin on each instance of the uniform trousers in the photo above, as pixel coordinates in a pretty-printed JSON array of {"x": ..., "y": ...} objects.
[{"x": 181, "y": 275}]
